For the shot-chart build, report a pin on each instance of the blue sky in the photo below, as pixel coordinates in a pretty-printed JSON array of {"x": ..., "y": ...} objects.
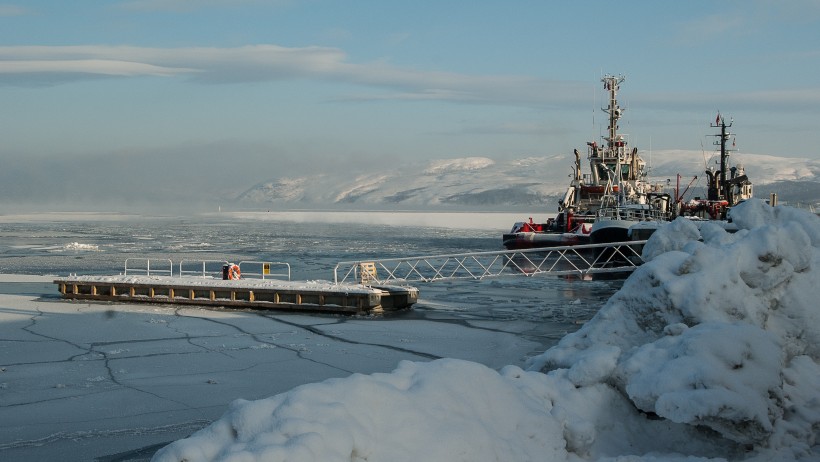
[{"x": 302, "y": 85}]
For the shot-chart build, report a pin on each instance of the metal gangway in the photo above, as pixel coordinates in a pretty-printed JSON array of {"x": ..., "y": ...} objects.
[{"x": 578, "y": 260}]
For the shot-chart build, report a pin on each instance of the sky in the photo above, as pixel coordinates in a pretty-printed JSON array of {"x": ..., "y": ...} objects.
[{"x": 234, "y": 92}]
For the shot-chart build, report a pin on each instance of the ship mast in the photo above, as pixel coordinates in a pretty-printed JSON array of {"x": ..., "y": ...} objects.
[
  {"x": 612, "y": 84},
  {"x": 615, "y": 145},
  {"x": 723, "y": 186}
]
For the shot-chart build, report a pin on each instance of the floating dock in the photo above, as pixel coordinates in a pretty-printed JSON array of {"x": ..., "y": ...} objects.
[{"x": 274, "y": 294}]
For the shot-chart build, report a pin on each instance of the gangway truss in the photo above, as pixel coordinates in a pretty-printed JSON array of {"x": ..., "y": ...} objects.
[{"x": 577, "y": 260}]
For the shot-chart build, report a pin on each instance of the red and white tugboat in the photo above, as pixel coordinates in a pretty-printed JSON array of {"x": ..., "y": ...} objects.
[
  {"x": 633, "y": 199},
  {"x": 616, "y": 179}
]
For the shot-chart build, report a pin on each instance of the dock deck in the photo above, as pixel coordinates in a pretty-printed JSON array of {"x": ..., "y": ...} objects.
[{"x": 315, "y": 296}]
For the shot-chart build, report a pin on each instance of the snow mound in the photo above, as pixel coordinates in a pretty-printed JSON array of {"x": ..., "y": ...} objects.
[
  {"x": 723, "y": 333},
  {"x": 386, "y": 417},
  {"x": 708, "y": 352}
]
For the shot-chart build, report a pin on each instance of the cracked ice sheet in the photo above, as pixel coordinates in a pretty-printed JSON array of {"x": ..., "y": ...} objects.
[
  {"x": 433, "y": 340},
  {"x": 81, "y": 381}
]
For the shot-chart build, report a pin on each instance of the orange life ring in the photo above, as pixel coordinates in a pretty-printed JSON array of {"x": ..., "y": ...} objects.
[{"x": 233, "y": 272}]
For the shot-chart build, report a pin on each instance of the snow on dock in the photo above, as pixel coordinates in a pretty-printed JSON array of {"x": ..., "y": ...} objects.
[{"x": 319, "y": 296}]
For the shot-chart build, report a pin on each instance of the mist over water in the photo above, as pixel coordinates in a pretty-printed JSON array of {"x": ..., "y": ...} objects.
[
  {"x": 312, "y": 243},
  {"x": 88, "y": 247}
]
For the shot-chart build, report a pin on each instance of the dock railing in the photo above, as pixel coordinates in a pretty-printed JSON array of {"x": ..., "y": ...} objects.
[
  {"x": 206, "y": 268},
  {"x": 265, "y": 269},
  {"x": 570, "y": 260},
  {"x": 201, "y": 268},
  {"x": 252, "y": 269},
  {"x": 142, "y": 266}
]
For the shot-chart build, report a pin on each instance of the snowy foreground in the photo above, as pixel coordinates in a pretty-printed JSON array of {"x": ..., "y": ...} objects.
[{"x": 709, "y": 352}]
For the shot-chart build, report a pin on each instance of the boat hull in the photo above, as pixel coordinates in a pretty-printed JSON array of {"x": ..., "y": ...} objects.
[
  {"x": 608, "y": 231},
  {"x": 537, "y": 240},
  {"x": 643, "y": 230}
]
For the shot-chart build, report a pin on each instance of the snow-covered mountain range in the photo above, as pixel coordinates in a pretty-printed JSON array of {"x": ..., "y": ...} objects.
[{"x": 533, "y": 181}]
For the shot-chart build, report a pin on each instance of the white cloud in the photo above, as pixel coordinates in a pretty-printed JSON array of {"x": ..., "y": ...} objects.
[
  {"x": 89, "y": 66},
  {"x": 260, "y": 62},
  {"x": 256, "y": 63},
  {"x": 22, "y": 65}
]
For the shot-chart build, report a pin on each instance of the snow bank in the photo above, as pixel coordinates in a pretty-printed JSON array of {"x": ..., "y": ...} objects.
[
  {"x": 384, "y": 417},
  {"x": 722, "y": 333},
  {"x": 709, "y": 351}
]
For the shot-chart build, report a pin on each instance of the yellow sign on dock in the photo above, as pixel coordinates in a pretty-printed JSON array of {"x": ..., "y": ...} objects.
[{"x": 368, "y": 272}]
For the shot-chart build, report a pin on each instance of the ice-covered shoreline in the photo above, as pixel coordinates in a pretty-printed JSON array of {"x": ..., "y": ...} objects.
[{"x": 708, "y": 351}]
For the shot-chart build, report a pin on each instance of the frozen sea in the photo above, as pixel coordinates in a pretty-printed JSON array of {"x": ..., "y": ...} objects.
[{"x": 115, "y": 382}]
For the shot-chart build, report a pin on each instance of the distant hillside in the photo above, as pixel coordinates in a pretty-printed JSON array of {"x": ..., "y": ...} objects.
[
  {"x": 796, "y": 193},
  {"x": 534, "y": 181}
]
